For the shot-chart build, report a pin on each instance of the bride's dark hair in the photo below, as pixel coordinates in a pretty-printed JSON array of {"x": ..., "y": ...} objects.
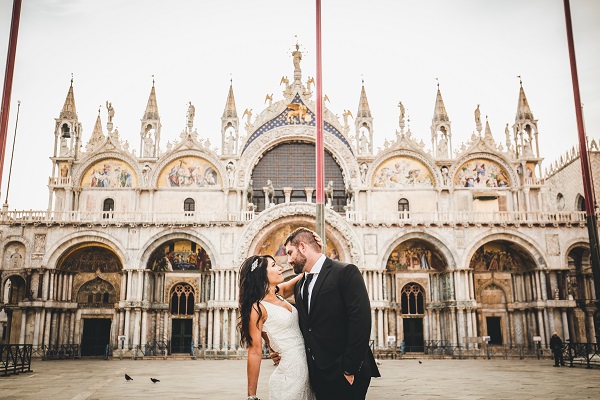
[{"x": 254, "y": 285}]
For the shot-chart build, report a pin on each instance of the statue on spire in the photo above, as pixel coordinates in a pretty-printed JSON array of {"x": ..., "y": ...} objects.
[{"x": 191, "y": 113}]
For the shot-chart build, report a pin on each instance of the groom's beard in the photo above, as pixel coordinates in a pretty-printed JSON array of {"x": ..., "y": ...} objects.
[{"x": 299, "y": 264}]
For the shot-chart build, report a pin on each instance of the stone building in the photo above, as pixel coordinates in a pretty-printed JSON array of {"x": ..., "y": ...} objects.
[{"x": 141, "y": 251}]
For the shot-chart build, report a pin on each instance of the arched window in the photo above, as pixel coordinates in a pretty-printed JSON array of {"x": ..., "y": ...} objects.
[
  {"x": 580, "y": 203},
  {"x": 189, "y": 206},
  {"x": 403, "y": 207},
  {"x": 108, "y": 206},
  {"x": 560, "y": 202},
  {"x": 293, "y": 165},
  {"x": 182, "y": 300},
  {"x": 413, "y": 302}
]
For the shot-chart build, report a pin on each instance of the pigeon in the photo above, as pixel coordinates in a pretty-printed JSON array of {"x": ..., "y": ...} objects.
[
  {"x": 154, "y": 380},
  {"x": 420, "y": 362},
  {"x": 128, "y": 378}
]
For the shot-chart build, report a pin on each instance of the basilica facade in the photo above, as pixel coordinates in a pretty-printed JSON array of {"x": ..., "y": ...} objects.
[{"x": 142, "y": 250}]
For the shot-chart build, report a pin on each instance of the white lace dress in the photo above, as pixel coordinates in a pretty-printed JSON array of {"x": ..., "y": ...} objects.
[{"x": 290, "y": 379}]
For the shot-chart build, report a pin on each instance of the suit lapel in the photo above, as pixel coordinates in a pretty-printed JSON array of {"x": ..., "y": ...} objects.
[{"x": 320, "y": 279}]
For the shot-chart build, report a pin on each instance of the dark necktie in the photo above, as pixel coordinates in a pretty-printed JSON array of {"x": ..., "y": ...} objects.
[{"x": 307, "y": 280}]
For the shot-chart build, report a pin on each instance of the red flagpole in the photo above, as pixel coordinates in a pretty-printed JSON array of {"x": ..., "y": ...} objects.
[
  {"x": 8, "y": 79},
  {"x": 320, "y": 152},
  {"x": 590, "y": 202}
]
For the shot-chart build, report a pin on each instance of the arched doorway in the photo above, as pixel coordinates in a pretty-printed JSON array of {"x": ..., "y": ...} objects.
[
  {"x": 14, "y": 292},
  {"x": 91, "y": 273},
  {"x": 506, "y": 276},
  {"x": 413, "y": 312},
  {"x": 181, "y": 301}
]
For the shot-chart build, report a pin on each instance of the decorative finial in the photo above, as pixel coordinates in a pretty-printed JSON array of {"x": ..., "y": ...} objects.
[
  {"x": 152, "y": 80},
  {"x": 99, "y": 107},
  {"x": 71, "y": 79},
  {"x": 438, "y": 82},
  {"x": 362, "y": 78},
  {"x": 231, "y": 78},
  {"x": 520, "y": 80}
]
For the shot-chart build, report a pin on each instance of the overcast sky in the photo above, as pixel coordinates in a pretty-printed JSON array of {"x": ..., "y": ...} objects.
[{"x": 475, "y": 48}]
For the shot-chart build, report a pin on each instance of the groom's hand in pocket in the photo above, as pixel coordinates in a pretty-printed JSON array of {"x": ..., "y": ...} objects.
[{"x": 274, "y": 356}]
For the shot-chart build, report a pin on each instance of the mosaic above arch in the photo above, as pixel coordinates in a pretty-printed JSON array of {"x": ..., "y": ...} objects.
[
  {"x": 481, "y": 173},
  {"x": 189, "y": 171},
  {"x": 416, "y": 255},
  {"x": 179, "y": 255},
  {"x": 90, "y": 258},
  {"x": 401, "y": 171},
  {"x": 273, "y": 244},
  {"x": 109, "y": 173},
  {"x": 501, "y": 255}
]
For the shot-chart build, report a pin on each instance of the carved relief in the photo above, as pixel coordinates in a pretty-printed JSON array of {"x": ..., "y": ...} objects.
[
  {"x": 552, "y": 245},
  {"x": 370, "y": 244}
]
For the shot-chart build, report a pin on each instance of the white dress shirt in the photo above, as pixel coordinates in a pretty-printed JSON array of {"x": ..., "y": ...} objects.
[{"x": 314, "y": 271}]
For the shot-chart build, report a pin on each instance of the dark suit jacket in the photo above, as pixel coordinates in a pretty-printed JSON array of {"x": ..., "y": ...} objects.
[{"x": 337, "y": 331}]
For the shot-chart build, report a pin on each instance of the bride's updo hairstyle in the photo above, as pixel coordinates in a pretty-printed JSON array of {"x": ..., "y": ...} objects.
[{"x": 253, "y": 285}]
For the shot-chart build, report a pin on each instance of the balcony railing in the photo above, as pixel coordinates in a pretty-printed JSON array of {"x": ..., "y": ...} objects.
[
  {"x": 470, "y": 217},
  {"x": 115, "y": 217},
  {"x": 355, "y": 217}
]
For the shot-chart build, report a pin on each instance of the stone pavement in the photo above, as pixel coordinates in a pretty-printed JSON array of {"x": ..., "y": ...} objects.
[{"x": 226, "y": 379}]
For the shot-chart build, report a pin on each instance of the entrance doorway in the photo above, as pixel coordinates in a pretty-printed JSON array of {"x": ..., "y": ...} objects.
[
  {"x": 96, "y": 336},
  {"x": 181, "y": 338},
  {"x": 494, "y": 330},
  {"x": 413, "y": 334}
]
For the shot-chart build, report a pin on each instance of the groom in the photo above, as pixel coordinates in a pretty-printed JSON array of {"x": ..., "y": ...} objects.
[{"x": 335, "y": 320}]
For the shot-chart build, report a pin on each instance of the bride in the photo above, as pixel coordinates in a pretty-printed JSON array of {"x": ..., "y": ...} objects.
[{"x": 264, "y": 312}]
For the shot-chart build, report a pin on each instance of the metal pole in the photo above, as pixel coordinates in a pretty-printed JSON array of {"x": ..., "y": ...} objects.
[
  {"x": 8, "y": 79},
  {"x": 590, "y": 211},
  {"x": 320, "y": 152},
  {"x": 12, "y": 154}
]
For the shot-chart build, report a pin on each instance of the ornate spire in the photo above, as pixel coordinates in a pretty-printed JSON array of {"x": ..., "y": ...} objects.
[
  {"x": 68, "y": 110},
  {"x": 230, "y": 110},
  {"x": 363, "y": 105},
  {"x": 439, "y": 113},
  {"x": 523, "y": 110},
  {"x": 152, "y": 106}
]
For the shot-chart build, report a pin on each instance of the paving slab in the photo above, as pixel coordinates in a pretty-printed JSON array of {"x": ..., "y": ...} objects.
[{"x": 226, "y": 379}]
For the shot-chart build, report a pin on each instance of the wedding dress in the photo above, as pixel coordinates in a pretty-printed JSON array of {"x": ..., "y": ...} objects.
[{"x": 290, "y": 379}]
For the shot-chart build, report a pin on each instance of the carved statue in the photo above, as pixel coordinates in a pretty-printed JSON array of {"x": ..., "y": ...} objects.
[
  {"x": 249, "y": 191},
  {"x": 346, "y": 114},
  {"x": 443, "y": 147},
  {"x": 308, "y": 82},
  {"x": 191, "y": 113},
  {"x": 363, "y": 171},
  {"x": 284, "y": 79},
  {"x": 247, "y": 112},
  {"x": 270, "y": 192},
  {"x": 477, "y": 117},
  {"x": 297, "y": 110},
  {"x": 445, "y": 175},
  {"x": 349, "y": 192},
  {"x": 111, "y": 111},
  {"x": 297, "y": 54},
  {"x": 230, "y": 170},
  {"x": 329, "y": 193},
  {"x": 148, "y": 145},
  {"x": 269, "y": 97},
  {"x": 402, "y": 112},
  {"x": 363, "y": 144}
]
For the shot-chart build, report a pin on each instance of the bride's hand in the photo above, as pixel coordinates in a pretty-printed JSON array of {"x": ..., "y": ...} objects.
[
  {"x": 274, "y": 356},
  {"x": 318, "y": 239}
]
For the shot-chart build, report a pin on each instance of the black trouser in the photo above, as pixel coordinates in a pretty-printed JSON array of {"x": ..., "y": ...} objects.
[
  {"x": 558, "y": 357},
  {"x": 340, "y": 389}
]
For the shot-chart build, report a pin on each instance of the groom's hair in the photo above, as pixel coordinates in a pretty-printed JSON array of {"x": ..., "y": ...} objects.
[{"x": 303, "y": 235}]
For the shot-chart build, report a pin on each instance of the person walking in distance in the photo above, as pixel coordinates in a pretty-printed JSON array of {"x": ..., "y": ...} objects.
[{"x": 556, "y": 344}]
